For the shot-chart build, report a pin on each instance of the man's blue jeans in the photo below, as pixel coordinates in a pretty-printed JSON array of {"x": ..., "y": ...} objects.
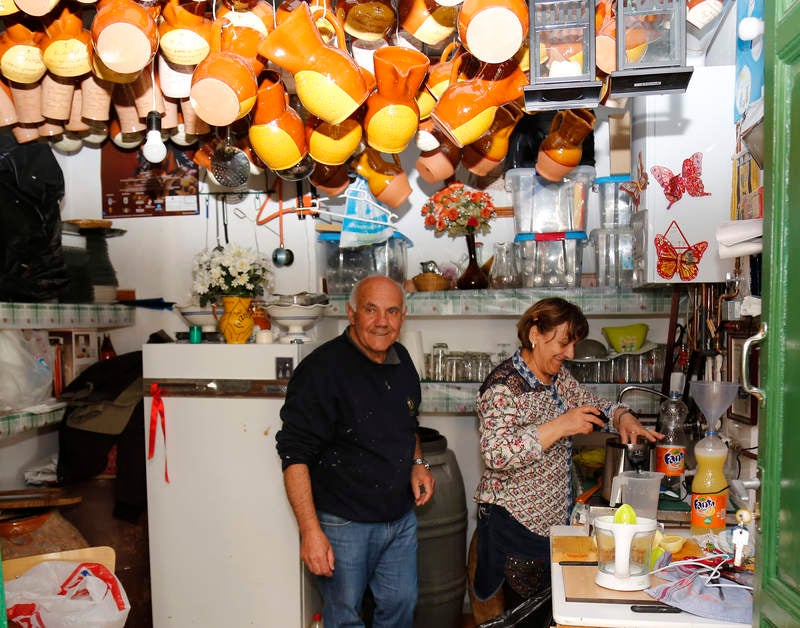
[{"x": 382, "y": 556}]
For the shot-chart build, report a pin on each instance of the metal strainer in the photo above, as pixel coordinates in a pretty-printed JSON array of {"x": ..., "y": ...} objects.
[{"x": 229, "y": 164}]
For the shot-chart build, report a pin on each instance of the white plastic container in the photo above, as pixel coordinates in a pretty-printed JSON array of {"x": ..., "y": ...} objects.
[
  {"x": 551, "y": 260},
  {"x": 541, "y": 206},
  {"x": 340, "y": 269},
  {"x": 615, "y": 203}
]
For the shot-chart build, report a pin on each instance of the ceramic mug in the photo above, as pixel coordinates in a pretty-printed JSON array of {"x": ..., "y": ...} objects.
[
  {"x": 427, "y": 20},
  {"x": 223, "y": 88}
]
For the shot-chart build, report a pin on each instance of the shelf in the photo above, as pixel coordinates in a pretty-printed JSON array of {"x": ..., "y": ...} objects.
[
  {"x": 65, "y": 315},
  {"x": 513, "y": 302},
  {"x": 458, "y": 398},
  {"x": 24, "y": 421}
]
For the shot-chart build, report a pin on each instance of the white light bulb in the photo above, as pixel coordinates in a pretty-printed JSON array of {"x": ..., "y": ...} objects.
[{"x": 154, "y": 149}]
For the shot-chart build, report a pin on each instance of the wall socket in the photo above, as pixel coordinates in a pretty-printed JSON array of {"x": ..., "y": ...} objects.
[{"x": 284, "y": 367}]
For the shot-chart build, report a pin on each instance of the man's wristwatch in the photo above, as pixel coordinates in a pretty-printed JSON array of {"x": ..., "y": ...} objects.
[{"x": 423, "y": 462}]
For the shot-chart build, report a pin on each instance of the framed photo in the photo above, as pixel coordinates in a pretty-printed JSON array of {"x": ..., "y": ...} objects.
[{"x": 745, "y": 407}]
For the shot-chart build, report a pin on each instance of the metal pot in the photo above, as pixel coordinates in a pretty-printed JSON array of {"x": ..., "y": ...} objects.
[{"x": 621, "y": 458}]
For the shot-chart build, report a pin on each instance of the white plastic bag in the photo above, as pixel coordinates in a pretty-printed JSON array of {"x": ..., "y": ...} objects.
[
  {"x": 25, "y": 380},
  {"x": 65, "y": 594}
]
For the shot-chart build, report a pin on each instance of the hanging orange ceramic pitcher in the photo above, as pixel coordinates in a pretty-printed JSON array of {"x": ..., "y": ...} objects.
[
  {"x": 328, "y": 81},
  {"x": 467, "y": 108},
  {"x": 332, "y": 144},
  {"x": 277, "y": 134},
  {"x": 236, "y": 323},
  {"x": 485, "y": 154},
  {"x": 392, "y": 113}
]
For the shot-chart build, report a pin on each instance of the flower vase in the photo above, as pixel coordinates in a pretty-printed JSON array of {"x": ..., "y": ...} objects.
[
  {"x": 236, "y": 324},
  {"x": 473, "y": 278}
]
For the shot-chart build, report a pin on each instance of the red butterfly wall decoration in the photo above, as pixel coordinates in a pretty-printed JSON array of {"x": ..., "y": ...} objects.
[
  {"x": 683, "y": 259},
  {"x": 635, "y": 188},
  {"x": 689, "y": 181}
]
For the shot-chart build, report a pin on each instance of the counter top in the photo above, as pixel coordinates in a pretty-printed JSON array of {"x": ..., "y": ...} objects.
[{"x": 608, "y": 614}]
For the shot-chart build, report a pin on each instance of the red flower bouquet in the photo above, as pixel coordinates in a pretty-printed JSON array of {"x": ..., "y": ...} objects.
[{"x": 457, "y": 210}]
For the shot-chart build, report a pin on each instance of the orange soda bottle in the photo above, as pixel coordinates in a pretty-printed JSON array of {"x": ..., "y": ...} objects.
[{"x": 709, "y": 487}]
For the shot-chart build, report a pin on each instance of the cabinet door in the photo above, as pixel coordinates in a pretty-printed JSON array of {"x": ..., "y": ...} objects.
[{"x": 778, "y": 591}]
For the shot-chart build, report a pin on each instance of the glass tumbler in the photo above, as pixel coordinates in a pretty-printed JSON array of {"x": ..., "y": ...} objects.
[{"x": 438, "y": 357}]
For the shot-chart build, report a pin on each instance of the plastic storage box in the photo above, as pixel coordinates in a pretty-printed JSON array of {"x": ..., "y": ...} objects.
[
  {"x": 552, "y": 260},
  {"x": 615, "y": 203},
  {"x": 340, "y": 269},
  {"x": 541, "y": 206},
  {"x": 613, "y": 256}
]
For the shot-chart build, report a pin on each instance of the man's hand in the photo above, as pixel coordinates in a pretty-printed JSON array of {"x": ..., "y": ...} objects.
[
  {"x": 422, "y": 484},
  {"x": 317, "y": 553}
]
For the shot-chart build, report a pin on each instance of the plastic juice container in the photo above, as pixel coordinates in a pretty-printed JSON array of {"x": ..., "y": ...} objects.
[{"x": 709, "y": 488}]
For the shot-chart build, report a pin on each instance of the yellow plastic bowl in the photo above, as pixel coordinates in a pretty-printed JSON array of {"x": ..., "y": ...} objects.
[{"x": 626, "y": 338}]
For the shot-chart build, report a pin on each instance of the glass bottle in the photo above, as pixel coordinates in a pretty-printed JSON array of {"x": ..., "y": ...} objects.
[
  {"x": 671, "y": 452},
  {"x": 107, "y": 349},
  {"x": 504, "y": 271}
]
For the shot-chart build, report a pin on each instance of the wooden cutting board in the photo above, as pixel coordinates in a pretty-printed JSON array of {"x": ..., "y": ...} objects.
[{"x": 579, "y": 585}]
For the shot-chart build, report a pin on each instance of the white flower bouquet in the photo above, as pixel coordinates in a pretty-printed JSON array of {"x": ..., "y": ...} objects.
[{"x": 232, "y": 271}]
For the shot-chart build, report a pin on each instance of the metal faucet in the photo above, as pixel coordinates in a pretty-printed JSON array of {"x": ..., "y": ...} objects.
[
  {"x": 627, "y": 389},
  {"x": 739, "y": 494}
]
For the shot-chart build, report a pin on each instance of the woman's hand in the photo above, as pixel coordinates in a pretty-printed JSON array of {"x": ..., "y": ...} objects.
[
  {"x": 629, "y": 428},
  {"x": 582, "y": 420}
]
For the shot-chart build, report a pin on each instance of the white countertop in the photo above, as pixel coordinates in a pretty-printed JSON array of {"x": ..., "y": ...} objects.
[{"x": 602, "y": 615}]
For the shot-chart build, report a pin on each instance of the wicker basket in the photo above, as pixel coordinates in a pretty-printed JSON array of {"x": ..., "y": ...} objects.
[{"x": 428, "y": 282}]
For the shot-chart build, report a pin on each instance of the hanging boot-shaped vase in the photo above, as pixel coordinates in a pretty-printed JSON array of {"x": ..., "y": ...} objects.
[
  {"x": 328, "y": 81},
  {"x": 392, "y": 113},
  {"x": 561, "y": 150}
]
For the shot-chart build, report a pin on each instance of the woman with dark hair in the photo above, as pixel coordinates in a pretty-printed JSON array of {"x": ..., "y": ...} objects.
[{"x": 529, "y": 408}]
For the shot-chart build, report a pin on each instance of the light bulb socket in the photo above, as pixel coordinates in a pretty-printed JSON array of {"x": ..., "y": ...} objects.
[{"x": 154, "y": 121}]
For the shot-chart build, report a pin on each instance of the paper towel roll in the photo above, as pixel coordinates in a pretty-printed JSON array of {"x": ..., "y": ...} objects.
[
  {"x": 750, "y": 247},
  {"x": 730, "y": 232},
  {"x": 412, "y": 341}
]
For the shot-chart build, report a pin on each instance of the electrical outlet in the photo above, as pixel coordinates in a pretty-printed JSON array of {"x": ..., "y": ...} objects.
[{"x": 284, "y": 367}]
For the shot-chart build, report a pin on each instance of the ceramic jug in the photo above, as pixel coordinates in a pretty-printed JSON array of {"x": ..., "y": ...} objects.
[
  {"x": 427, "y": 20},
  {"x": 277, "y": 134},
  {"x": 386, "y": 179},
  {"x": 36, "y": 8},
  {"x": 184, "y": 36},
  {"x": 193, "y": 124},
  {"x": 124, "y": 35},
  {"x": 330, "y": 180},
  {"x": 260, "y": 16},
  {"x": 328, "y": 81},
  {"x": 437, "y": 81},
  {"x": 467, "y": 108},
  {"x": 236, "y": 323},
  {"x": 438, "y": 157},
  {"x": 102, "y": 71},
  {"x": 369, "y": 20},
  {"x": 21, "y": 58},
  {"x": 57, "y": 95},
  {"x": 125, "y": 107},
  {"x": 493, "y": 30},
  {"x": 325, "y": 27},
  {"x": 96, "y": 98},
  {"x": 332, "y": 144},
  {"x": 392, "y": 114},
  {"x": 487, "y": 152},
  {"x": 147, "y": 94},
  {"x": 224, "y": 88},
  {"x": 28, "y": 102},
  {"x": 8, "y": 113},
  {"x": 65, "y": 46}
]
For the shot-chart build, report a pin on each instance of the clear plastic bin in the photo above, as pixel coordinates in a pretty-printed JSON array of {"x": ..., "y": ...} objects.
[
  {"x": 541, "y": 206},
  {"x": 613, "y": 256},
  {"x": 552, "y": 260},
  {"x": 340, "y": 269},
  {"x": 615, "y": 203}
]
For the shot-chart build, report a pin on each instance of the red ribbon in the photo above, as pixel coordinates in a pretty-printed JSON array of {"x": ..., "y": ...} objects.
[{"x": 156, "y": 410}]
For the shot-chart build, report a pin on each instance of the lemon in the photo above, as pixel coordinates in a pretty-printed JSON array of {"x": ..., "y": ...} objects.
[
  {"x": 655, "y": 555},
  {"x": 625, "y": 514},
  {"x": 672, "y": 542}
]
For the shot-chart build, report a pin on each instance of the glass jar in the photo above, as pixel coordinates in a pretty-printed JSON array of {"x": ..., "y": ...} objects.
[{"x": 438, "y": 356}]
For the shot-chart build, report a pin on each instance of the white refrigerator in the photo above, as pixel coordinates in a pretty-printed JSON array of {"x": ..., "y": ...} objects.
[{"x": 224, "y": 545}]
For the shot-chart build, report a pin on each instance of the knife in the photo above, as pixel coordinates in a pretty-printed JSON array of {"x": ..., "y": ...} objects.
[{"x": 651, "y": 608}]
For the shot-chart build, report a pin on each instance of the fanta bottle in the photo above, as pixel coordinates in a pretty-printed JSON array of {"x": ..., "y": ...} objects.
[
  {"x": 671, "y": 452},
  {"x": 709, "y": 488}
]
